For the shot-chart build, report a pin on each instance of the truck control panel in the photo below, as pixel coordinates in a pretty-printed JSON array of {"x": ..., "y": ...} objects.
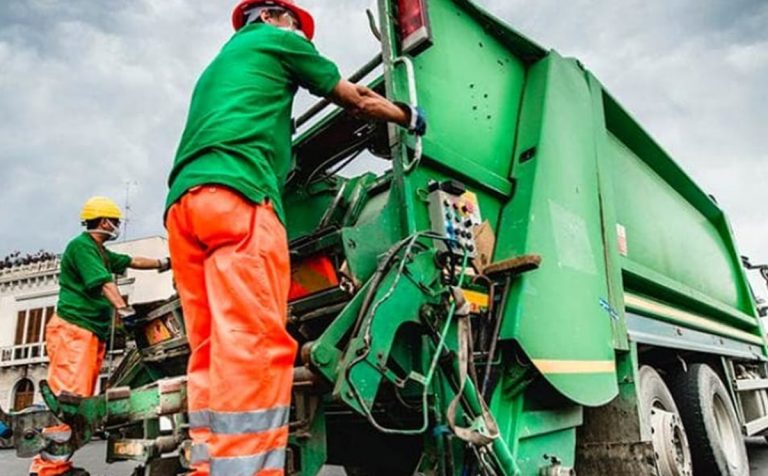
[{"x": 455, "y": 214}]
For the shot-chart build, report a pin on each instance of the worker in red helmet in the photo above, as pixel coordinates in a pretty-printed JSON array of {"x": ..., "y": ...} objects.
[{"x": 225, "y": 221}]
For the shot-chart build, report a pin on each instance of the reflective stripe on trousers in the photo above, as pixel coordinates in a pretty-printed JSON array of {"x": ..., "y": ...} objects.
[
  {"x": 248, "y": 465},
  {"x": 230, "y": 262}
]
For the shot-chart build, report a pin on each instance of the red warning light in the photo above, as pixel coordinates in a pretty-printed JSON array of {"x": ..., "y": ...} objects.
[{"x": 413, "y": 25}]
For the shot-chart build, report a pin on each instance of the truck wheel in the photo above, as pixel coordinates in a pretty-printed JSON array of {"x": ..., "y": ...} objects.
[
  {"x": 717, "y": 446},
  {"x": 659, "y": 412}
]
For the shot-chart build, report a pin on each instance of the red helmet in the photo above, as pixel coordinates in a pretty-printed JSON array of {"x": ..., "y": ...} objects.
[{"x": 306, "y": 22}]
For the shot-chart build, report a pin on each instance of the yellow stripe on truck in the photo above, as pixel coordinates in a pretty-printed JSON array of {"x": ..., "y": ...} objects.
[
  {"x": 633, "y": 301},
  {"x": 547, "y": 366}
]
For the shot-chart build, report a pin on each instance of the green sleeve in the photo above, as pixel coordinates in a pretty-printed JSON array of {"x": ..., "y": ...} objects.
[
  {"x": 307, "y": 67},
  {"x": 90, "y": 265},
  {"x": 118, "y": 262}
]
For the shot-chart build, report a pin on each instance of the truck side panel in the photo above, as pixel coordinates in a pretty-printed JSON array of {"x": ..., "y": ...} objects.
[{"x": 559, "y": 314}]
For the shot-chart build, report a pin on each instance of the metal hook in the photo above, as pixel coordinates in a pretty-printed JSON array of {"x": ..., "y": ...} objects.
[{"x": 372, "y": 24}]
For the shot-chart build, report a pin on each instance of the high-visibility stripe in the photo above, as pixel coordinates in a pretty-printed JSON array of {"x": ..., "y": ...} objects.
[
  {"x": 52, "y": 457},
  {"x": 198, "y": 453},
  {"x": 247, "y": 444},
  {"x": 639, "y": 303},
  {"x": 547, "y": 366},
  {"x": 58, "y": 434},
  {"x": 200, "y": 419},
  {"x": 248, "y": 465},
  {"x": 257, "y": 421}
]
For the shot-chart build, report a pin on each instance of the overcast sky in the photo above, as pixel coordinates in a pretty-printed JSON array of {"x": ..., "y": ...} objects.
[{"x": 93, "y": 94}]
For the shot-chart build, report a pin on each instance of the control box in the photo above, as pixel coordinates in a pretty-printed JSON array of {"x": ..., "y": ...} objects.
[{"x": 455, "y": 216}]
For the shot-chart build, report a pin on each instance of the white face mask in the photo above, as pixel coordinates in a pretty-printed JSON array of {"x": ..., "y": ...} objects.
[
  {"x": 115, "y": 234},
  {"x": 112, "y": 234}
]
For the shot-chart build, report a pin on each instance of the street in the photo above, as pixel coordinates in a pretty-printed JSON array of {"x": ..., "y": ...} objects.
[{"x": 92, "y": 458}]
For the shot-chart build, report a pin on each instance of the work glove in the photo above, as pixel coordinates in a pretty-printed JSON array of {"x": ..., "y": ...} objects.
[
  {"x": 5, "y": 431},
  {"x": 165, "y": 265},
  {"x": 417, "y": 118},
  {"x": 127, "y": 316}
]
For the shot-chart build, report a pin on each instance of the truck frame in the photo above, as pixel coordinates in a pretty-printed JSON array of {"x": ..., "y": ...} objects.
[{"x": 534, "y": 288}]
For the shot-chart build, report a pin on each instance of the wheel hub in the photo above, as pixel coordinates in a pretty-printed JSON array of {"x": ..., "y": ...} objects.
[{"x": 670, "y": 444}]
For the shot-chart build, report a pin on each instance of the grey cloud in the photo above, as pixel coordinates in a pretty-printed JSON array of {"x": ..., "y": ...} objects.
[{"x": 95, "y": 93}]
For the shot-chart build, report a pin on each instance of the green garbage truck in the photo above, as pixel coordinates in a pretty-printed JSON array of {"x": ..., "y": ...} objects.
[{"x": 533, "y": 288}]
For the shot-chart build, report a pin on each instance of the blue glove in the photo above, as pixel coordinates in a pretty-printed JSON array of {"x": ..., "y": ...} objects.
[
  {"x": 417, "y": 118},
  {"x": 5, "y": 431}
]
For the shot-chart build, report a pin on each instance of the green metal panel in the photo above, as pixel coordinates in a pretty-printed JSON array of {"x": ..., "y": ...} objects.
[
  {"x": 558, "y": 313},
  {"x": 700, "y": 260},
  {"x": 472, "y": 89}
]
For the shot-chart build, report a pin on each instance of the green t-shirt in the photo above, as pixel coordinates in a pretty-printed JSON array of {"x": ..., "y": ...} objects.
[
  {"x": 85, "y": 267},
  {"x": 238, "y": 130}
]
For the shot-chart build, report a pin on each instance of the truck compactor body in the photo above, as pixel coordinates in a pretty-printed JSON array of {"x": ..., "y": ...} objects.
[{"x": 533, "y": 288}]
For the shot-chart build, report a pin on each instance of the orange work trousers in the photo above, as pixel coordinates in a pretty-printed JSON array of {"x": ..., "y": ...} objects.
[
  {"x": 231, "y": 266},
  {"x": 75, "y": 355}
]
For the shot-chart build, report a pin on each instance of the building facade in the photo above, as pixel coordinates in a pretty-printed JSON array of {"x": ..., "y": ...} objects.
[{"x": 28, "y": 295}]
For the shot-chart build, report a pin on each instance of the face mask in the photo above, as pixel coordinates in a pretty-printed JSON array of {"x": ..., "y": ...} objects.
[
  {"x": 115, "y": 234},
  {"x": 112, "y": 234}
]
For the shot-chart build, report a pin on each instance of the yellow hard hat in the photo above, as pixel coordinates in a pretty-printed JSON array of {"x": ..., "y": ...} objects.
[{"x": 100, "y": 207}]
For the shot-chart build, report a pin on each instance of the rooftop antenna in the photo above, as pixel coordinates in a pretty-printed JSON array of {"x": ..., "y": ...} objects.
[{"x": 127, "y": 206}]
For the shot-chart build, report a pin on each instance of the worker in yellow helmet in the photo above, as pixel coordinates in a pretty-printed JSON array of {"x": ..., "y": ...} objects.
[{"x": 88, "y": 298}]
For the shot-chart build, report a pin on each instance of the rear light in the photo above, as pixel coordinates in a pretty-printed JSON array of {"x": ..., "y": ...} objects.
[
  {"x": 312, "y": 275},
  {"x": 413, "y": 25}
]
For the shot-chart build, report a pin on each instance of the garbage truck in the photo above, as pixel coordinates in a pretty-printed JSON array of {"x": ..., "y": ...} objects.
[{"x": 533, "y": 288}]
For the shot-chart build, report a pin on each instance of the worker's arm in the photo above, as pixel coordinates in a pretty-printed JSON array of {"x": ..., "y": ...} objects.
[
  {"x": 365, "y": 102},
  {"x": 112, "y": 294},
  {"x": 321, "y": 77},
  {"x": 138, "y": 262}
]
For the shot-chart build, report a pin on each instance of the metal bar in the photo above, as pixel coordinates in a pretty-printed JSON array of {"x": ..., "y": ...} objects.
[
  {"x": 756, "y": 426},
  {"x": 666, "y": 312},
  {"x": 648, "y": 330},
  {"x": 745, "y": 385},
  {"x": 322, "y": 104}
]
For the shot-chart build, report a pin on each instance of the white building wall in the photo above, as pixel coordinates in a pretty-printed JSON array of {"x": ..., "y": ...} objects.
[{"x": 7, "y": 319}]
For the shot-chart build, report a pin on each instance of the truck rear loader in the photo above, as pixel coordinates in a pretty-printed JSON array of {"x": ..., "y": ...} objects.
[{"x": 533, "y": 288}]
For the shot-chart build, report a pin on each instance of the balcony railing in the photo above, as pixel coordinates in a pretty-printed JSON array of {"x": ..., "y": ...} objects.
[
  {"x": 23, "y": 354},
  {"x": 26, "y": 354}
]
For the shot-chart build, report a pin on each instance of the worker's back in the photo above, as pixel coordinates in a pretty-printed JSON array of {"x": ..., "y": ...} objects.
[{"x": 239, "y": 124}]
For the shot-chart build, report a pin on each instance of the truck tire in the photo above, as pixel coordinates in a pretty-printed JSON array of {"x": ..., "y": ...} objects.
[
  {"x": 659, "y": 412},
  {"x": 714, "y": 434}
]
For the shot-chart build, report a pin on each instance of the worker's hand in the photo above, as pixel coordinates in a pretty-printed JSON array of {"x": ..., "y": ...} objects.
[
  {"x": 417, "y": 118},
  {"x": 164, "y": 265},
  {"x": 127, "y": 316}
]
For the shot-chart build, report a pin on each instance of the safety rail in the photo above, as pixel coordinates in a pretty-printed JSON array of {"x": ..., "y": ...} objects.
[{"x": 319, "y": 106}]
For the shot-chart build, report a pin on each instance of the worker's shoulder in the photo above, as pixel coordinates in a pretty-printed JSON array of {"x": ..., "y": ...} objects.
[{"x": 79, "y": 243}]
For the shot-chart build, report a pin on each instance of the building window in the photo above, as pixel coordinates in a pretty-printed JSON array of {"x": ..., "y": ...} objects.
[
  {"x": 23, "y": 394},
  {"x": 49, "y": 312},
  {"x": 34, "y": 330},
  {"x": 19, "y": 339},
  {"x": 30, "y": 330}
]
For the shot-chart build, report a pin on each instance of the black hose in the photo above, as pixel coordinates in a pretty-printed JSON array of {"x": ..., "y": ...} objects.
[{"x": 495, "y": 339}]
